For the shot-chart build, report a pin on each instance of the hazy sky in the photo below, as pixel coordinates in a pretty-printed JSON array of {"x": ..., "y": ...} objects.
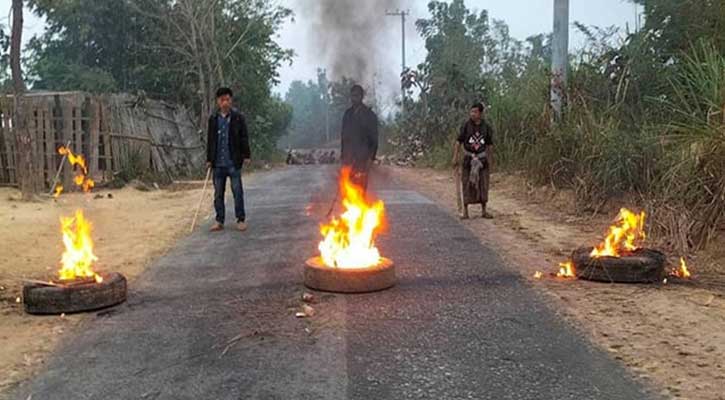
[{"x": 524, "y": 17}]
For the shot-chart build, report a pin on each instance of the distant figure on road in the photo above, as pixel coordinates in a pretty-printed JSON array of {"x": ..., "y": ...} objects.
[
  {"x": 359, "y": 137},
  {"x": 476, "y": 141},
  {"x": 227, "y": 152}
]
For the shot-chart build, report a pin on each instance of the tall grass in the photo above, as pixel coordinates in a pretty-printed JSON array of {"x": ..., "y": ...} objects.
[
  {"x": 673, "y": 163},
  {"x": 689, "y": 200}
]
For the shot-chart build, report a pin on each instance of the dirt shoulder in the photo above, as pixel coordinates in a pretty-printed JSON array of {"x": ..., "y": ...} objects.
[
  {"x": 672, "y": 336},
  {"x": 130, "y": 230}
]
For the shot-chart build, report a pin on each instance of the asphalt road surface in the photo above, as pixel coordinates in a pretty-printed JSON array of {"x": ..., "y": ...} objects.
[{"x": 215, "y": 318}]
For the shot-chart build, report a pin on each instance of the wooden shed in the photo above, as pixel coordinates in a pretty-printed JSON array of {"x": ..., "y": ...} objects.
[{"x": 115, "y": 133}]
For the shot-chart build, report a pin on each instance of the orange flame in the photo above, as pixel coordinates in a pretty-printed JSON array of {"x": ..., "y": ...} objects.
[
  {"x": 538, "y": 275},
  {"x": 566, "y": 270},
  {"x": 349, "y": 241},
  {"x": 81, "y": 180},
  {"x": 683, "y": 271},
  {"x": 78, "y": 255},
  {"x": 623, "y": 236},
  {"x": 58, "y": 190}
]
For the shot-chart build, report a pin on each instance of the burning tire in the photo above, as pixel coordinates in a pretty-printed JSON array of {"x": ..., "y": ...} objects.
[
  {"x": 344, "y": 280},
  {"x": 84, "y": 295},
  {"x": 640, "y": 266}
]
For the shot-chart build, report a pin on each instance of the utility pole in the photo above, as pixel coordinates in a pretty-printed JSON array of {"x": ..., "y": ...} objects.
[
  {"x": 402, "y": 15},
  {"x": 560, "y": 55}
]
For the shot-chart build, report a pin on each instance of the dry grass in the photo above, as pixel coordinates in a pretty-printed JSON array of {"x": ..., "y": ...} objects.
[{"x": 130, "y": 230}]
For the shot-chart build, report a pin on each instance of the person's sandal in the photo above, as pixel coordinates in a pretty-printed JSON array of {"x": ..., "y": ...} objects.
[
  {"x": 486, "y": 215},
  {"x": 242, "y": 226},
  {"x": 216, "y": 227}
]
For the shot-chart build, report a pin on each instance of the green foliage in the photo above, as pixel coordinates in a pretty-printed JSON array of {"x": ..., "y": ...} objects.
[
  {"x": 4, "y": 57},
  {"x": 267, "y": 128},
  {"x": 691, "y": 178},
  {"x": 318, "y": 110},
  {"x": 175, "y": 50},
  {"x": 312, "y": 109},
  {"x": 672, "y": 26},
  {"x": 645, "y": 112}
]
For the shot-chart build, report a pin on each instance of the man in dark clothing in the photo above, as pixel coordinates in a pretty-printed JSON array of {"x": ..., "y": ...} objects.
[
  {"x": 359, "y": 137},
  {"x": 227, "y": 152},
  {"x": 475, "y": 141}
]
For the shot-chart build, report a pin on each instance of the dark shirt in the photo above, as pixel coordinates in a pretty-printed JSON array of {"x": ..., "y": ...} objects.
[
  {"x": 475, "y": 138},
  {"x": 359, "y": 137},
  {"x": 223, "y": 155},
  {"x": 237, "y": 138}
]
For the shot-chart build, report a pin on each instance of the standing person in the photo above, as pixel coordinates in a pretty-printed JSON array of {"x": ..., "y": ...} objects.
[
  {"x": 359, "y": 137},
  {"x": 475, "y": 141},
  {"x": 227, "y": 152}
]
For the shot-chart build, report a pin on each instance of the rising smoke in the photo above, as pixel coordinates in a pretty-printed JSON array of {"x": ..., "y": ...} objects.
[{"x": 355, "y": 38}]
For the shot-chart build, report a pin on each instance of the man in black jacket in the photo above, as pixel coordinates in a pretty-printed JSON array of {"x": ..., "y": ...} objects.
[
  {"x": 227, "y": 152},
  {"x": 359, "y": 137}
]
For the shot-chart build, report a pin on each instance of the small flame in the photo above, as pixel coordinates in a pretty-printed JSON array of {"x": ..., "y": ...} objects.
[
  {"x": 623, "y": 236},
  {"x": 58, "y": 190},
  {"x": 683, "y": 272},
  {"x": 81, "y": 180},
  {"x": 349, "y": 242},
  {"x": 78, "y": 255},
  {"x": 566, "y": 270},
  {"x": 538, "y": 275}
]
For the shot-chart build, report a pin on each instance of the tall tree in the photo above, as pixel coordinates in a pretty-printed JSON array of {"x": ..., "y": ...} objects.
[
  {"x": 5, "y": 81},
  {"x": 672, "y": 26},
  {"x": 25, "y": 170},
  {"x": 318, "y": 109},
  {"x": 176, "y": 50}
]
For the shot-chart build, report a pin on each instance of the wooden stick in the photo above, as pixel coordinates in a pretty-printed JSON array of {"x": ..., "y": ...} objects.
[
  {"x": 459, "y": 190},
  {"x": 60, "y": 168},
  {"x": 201, "y": 199}
]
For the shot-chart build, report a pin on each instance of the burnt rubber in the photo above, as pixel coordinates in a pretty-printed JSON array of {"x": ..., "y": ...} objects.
[
  {"x": 75, "y": 297},
  {"x": 640, "y": 266},
  {"x": 339, "y": 280}
]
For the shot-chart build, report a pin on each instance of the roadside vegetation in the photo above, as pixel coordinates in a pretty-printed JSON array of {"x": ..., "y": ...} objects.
[{"x": 644, "y": 121}]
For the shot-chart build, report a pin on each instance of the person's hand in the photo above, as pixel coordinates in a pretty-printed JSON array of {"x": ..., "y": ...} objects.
[
  {"x": 208, "y": 165},
  {"x": 247, "y": 162}
]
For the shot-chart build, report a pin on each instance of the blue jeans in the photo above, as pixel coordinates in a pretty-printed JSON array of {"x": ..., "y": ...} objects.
[{"x": 220, "y": 184}]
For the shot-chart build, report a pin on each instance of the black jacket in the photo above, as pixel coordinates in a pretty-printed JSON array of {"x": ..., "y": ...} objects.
[
  {"x": 238, "y": 139},
  {"x": 359, "y": 137}
]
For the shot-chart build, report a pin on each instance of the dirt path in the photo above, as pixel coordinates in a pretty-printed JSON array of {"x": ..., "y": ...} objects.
[
  {"x": 130, "y": 229},
  {"x": 673, "y": 335}
]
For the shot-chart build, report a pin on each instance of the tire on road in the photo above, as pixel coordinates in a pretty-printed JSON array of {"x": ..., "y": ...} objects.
[
  {"x": 641, "y": 266},
  {"x": 339, "y": 280},
  {"x": 73, "y": 298}
]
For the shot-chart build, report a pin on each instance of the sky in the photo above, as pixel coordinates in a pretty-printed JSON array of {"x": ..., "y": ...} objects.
[{"x": 524, "y": 17}]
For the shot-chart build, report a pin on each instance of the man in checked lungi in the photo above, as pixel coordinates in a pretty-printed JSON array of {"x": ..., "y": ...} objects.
[{"x": 475, "y": 144}]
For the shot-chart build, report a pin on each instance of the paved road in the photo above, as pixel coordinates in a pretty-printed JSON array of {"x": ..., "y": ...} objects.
[{"x": 214, "y": 319}]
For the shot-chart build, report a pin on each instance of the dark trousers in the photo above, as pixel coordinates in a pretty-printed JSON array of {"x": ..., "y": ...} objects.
[
  {"x": 360, "y": 173},
  {"x": 220, "y": 184}
]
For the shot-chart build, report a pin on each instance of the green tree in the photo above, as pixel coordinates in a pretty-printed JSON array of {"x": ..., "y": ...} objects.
[
  {"x": 4, "y": 60},
  {"x": 672, "y": 26},
  {"x": 318, "y": 109},
  {"x": 176, "y": 50},
  {"x": 308, "y": 105}
]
